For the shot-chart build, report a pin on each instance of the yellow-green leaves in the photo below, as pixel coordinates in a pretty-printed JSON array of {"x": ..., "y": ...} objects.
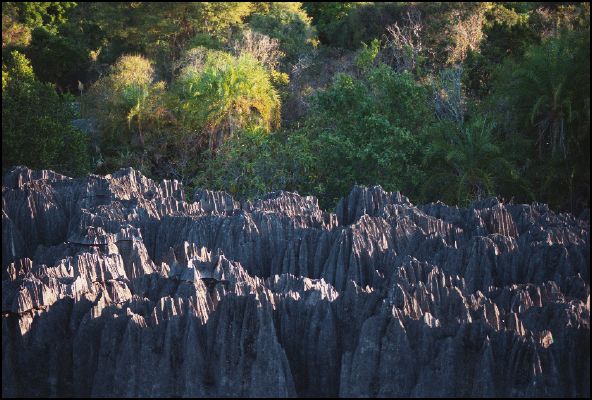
[{"x": 227, "y": 93}]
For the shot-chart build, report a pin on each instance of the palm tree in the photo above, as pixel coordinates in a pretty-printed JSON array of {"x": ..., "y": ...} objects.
[
  {"x": 467, "y": 164},
  {"x": 547, "y": 95},
  {"x": 545, "y": 90},
  {"x": 227, "y": 95}
]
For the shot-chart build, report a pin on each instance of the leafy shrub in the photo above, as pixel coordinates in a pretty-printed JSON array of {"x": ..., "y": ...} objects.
[
  {"x": 128, "y": 107},
  {"x": 288, "y": 23},
  {"x": 57, "y": 59},
  {"x": 466, "y": 163},
  {"x": 368, "y": 131},
  {"x": 254, "y": 163},
  {"x": 221, "y": 94},
  {"x": 37, "y": 126},
  {"x": 546, "y": 96}
]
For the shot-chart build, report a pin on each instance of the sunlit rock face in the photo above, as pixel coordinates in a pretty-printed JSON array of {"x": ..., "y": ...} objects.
[{"x": 121, "y": 286}]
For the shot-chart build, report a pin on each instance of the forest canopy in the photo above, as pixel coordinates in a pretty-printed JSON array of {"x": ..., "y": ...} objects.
[{"x": 443, "y": 101}]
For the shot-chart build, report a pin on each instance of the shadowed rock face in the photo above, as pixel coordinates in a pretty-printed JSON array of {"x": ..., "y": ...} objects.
[{"x": 116, "y": 286}]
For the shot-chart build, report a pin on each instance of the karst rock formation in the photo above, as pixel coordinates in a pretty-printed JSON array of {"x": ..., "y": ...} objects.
[{"x": 118, "y": 285}]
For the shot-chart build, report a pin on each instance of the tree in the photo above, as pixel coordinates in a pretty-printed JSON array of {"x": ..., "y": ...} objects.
[
  {"x": 367, "y": 55},
  {"x": 326, "y": 15},
  {"x": 404, "y": 42},
  {"x": 20, "y": 19},
  {"x": 255, "y": 162},
  {"x": 14, "y": 32},
  {"x": 507, "y": 33},
  {"x": 163, "y": 31},
  {"x": 466, "y": 163},
  {"x": 289, "y": 24},
  {"x": 51, "y": 15},
  {"x": 357, "y": 23},
  {"x": 546, "y": 86},
  {"x": 546, "y": 95},
  {"x": 37, "y": 126},
  {"x": 126, "y": 104},
  {"x": 259, "y": 46},
  {"x": 221, "y": 94},
  {"x": 367, "y": 131},
  {"x": 448, "y": 95},
  {"x": 58, "y": 59}
]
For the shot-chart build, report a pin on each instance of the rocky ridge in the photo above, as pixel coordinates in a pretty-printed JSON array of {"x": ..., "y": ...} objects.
[{"x": 118, "y": 286}]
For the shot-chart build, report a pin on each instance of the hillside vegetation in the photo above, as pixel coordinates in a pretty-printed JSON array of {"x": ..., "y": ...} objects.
[{"x": 443, "y": 101}]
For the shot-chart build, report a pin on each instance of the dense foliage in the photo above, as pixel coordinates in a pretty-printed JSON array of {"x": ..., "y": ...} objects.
[
  {"x": 373, "y": 127},
  {"x": 226, "y": 94},
  {"x": 443, "y": 101},
  {"x": 36, "y": 122},
  {"x": 546, "y": 97}
]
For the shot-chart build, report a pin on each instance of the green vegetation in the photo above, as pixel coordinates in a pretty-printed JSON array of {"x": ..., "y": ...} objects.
[
  {"x": 548, "y": 94},
  {"x": 36, "y": 122},
  {"x": 373, "y": 128},
  {"x": 443, "y": 101},
  {"x": 467, "y": 162},
  {"x": 289, "y": 24},
  {"x": 226, "y": 94}
]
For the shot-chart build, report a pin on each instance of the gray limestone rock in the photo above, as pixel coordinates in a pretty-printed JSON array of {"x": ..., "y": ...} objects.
[{"x": 117, "y": 285}]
